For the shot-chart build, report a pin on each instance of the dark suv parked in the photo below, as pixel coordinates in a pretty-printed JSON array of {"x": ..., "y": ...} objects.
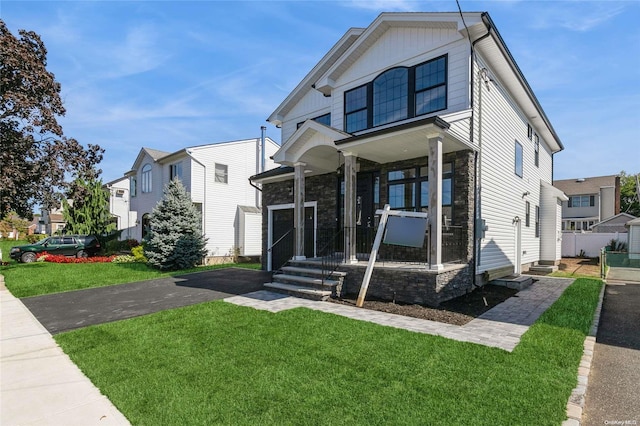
[{"x": 67, "y": 245}]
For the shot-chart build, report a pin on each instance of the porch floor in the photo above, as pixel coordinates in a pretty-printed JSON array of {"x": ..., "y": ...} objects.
[{"x": 501, "y": 327}]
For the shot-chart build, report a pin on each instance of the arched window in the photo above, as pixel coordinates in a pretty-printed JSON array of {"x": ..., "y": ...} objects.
[
  {"x": 146, "y": 178},
  {"x": 390, "y": 96},
  {"x": 146, "y": 225}
]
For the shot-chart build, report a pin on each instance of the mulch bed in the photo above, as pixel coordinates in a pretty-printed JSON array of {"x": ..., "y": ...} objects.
[{"x": 458, "y": 311}]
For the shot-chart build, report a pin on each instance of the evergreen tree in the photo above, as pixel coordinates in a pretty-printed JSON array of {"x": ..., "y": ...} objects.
[
  {"x": 175, "y": 240},
  {"x": 88, "y": 214}
]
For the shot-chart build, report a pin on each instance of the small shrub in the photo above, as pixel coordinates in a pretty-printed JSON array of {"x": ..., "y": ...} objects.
[
  {"x": 56, "y": 258},
  {"x": 138, "y": 254},
  {"x": 131, "y": 243},
  {"x": 124, "y": 258},
  {"x": 34, "y": 238}
]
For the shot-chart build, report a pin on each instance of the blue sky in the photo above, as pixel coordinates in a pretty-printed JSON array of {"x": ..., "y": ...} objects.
[{"x": 170, "y": 74}]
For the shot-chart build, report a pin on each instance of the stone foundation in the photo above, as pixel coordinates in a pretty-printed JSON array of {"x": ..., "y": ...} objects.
[{"x": 403, "y": 283}]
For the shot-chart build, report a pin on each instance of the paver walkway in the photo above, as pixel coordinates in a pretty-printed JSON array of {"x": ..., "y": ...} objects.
[{"x": 500, "y": 327}]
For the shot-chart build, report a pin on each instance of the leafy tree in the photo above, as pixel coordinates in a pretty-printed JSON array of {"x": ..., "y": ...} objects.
[
  {"x": 13, "y": 223},
  {"x": 629, "y": 194},
  {"x": 175, "y": 240},
  {"x": 35, "y": 157},
  {"x": 88, "y": 213}
]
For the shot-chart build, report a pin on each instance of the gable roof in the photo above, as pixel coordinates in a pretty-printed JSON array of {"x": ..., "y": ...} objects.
[
  {"x": 583, "y": 186},
  {"x": 478, "y": 26}
]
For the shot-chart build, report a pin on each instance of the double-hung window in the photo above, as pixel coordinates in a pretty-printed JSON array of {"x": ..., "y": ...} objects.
[
  {"x": 355, "y": 108},
  {"x": 431, "y": 86},
  {"x": 408, "y": 189},
  {"x": 582, "y": 201}
]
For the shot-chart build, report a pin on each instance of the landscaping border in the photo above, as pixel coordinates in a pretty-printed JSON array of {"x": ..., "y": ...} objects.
[{"x": 575, "y": 405}]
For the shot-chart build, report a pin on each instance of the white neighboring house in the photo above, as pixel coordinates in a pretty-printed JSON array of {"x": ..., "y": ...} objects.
[
  {"x": 425, "y": 112},
  {"x": 217, "y": 177},
  {"x": 119, "y": 201}
]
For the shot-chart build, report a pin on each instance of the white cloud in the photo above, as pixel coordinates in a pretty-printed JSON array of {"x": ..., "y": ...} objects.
[{"x": 576, "y": 16}]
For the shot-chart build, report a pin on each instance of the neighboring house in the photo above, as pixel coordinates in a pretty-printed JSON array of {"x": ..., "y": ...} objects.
[
  {"x": 119, "y": 202},
  {"x": 591, "y": 200},
  {"x": 633, "y": 241},
  {"x": 615, "y": 223},
  {"x": 52, "y": 221},
  {"x": 217, "y": 177},
  {"x": 425, "y": 112}
]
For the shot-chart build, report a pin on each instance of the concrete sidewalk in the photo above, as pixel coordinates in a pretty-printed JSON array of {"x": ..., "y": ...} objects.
[{"x": 40, "y": 385}]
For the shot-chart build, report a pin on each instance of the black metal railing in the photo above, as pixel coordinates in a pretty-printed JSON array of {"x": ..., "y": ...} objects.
[
  {"x": 330, "y": 244},
  {"x": 282, "y": 250}
]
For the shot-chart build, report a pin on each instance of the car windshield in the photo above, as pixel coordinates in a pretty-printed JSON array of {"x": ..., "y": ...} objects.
[{"x": 41, "y": 242}]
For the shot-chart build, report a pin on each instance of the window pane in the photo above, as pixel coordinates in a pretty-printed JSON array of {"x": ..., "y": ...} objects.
[
  {"x": 221, "y": 173},
  {"x": 431, "y": 100},
  {"x": 430, "y": 74},
  {"x": 401, "y": 196},
  {"x": 355, "y": 99},
  {"x": 356, "y": 121},
  {"x": 402, "y": 174},
  {"x": 518, "y": 159},
  {"x": 446, "y": 192},
  {"x": 424, "y": 194},
  {"x": 390, "y": 96},
  {"x": 324, "y": 119}
]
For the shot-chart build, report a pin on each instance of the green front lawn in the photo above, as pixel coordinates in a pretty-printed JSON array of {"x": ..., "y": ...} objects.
[
  {"x": 32, "y": 279},
  {"x": 5, "y": 247},
  {"x": 216, "y": 363}
]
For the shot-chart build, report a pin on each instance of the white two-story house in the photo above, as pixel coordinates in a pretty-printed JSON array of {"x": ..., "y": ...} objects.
[
  {"x": 217, "y": 178},
  {"x": 426, "y": 112}
]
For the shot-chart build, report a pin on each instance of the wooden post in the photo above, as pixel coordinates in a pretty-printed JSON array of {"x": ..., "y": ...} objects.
[{"x": 372, "y": 257}]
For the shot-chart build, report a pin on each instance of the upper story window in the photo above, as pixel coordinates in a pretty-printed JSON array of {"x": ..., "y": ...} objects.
[
  {"x": 323, "y": 119},
  {"x": 133, "y": 186},
  {"x": 431, "y": 86},
  {"x": 146, "y": 178},
  {"x": 222, "y": 175},
  {"x": 582, "y": 201},
  {"x": 536, "y": 148},
  {"x": 397, "y": 94},
  {"x": 175, "y": 171},
  {"x": 519, "y": 160},
  {"x": 529, "y": 131},
  {"x": 355, "y": 108},
  {"x": 390, "y": 96}
]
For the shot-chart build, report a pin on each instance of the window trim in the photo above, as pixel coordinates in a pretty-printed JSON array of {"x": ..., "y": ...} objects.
[
  {"x": 411, "y": 96},
  {"x": 316, "y": 119},
  {"x": 133, "y": 186},
  {"x": 175, "y": 170}
]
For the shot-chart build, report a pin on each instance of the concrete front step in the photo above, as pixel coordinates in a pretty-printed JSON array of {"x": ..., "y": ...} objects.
[
  {"x": 544, "y": 269},
  {"x": 299, "y": 291},
  {"x": 517, "y": 282},
  {"x": 297, "y": 270},
  {"x": 305, "y": 281}
]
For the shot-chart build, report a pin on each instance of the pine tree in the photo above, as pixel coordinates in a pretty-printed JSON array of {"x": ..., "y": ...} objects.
[
  {"x": 175, "y": 240},
  {"x": 88, "y": 213}
]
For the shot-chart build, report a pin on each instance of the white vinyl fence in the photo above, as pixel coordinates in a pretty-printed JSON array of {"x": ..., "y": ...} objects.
[{"x": 573, "y": 243}]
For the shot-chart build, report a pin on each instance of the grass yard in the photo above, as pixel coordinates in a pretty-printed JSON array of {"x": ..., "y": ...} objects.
[
  {"x": 33, "y": 279},
  {"x": 5, "y": 247},
  {"x": 217, "y": 363},
  {"x": 575, "y": 267}
]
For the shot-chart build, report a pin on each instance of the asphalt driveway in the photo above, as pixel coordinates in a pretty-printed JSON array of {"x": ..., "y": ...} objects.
[{"x": 75, "y": 309}]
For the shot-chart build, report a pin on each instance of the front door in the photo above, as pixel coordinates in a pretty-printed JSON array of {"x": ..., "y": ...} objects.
[
  {"x": 282, "y": 235},
  {"x": 365, "y": 214}
]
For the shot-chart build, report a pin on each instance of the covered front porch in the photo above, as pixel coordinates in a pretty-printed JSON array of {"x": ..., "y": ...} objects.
[{"x": 321, "y": 203}]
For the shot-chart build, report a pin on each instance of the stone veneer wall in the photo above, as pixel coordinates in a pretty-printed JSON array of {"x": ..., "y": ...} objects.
[{"x": 410, "y": 285}]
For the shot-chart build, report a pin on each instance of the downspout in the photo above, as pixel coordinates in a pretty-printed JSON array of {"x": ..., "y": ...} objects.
[{"x": 477, "y": 156}]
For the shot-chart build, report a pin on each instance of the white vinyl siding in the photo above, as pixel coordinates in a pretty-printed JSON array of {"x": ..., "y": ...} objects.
[{"x": 504, "y": 194}]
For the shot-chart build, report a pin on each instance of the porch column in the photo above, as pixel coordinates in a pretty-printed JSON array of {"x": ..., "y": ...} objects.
[
  {"x": 298, "y": 210},
  {"x": 435, "y": 202},
  {"x": 349, "y": 219}
]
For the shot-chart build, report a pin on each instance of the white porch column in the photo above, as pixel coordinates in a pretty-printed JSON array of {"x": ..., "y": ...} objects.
[
  {"x": 298, "y": 210},
  {"x": 435, "y": 202},
  {"x": 349, "y": 220}
]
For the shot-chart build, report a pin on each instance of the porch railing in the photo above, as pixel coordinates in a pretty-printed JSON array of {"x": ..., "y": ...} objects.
[{"x": 330, "y": 243}]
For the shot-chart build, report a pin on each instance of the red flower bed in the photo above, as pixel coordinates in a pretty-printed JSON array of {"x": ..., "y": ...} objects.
[{"x": 57, "y": 258}]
